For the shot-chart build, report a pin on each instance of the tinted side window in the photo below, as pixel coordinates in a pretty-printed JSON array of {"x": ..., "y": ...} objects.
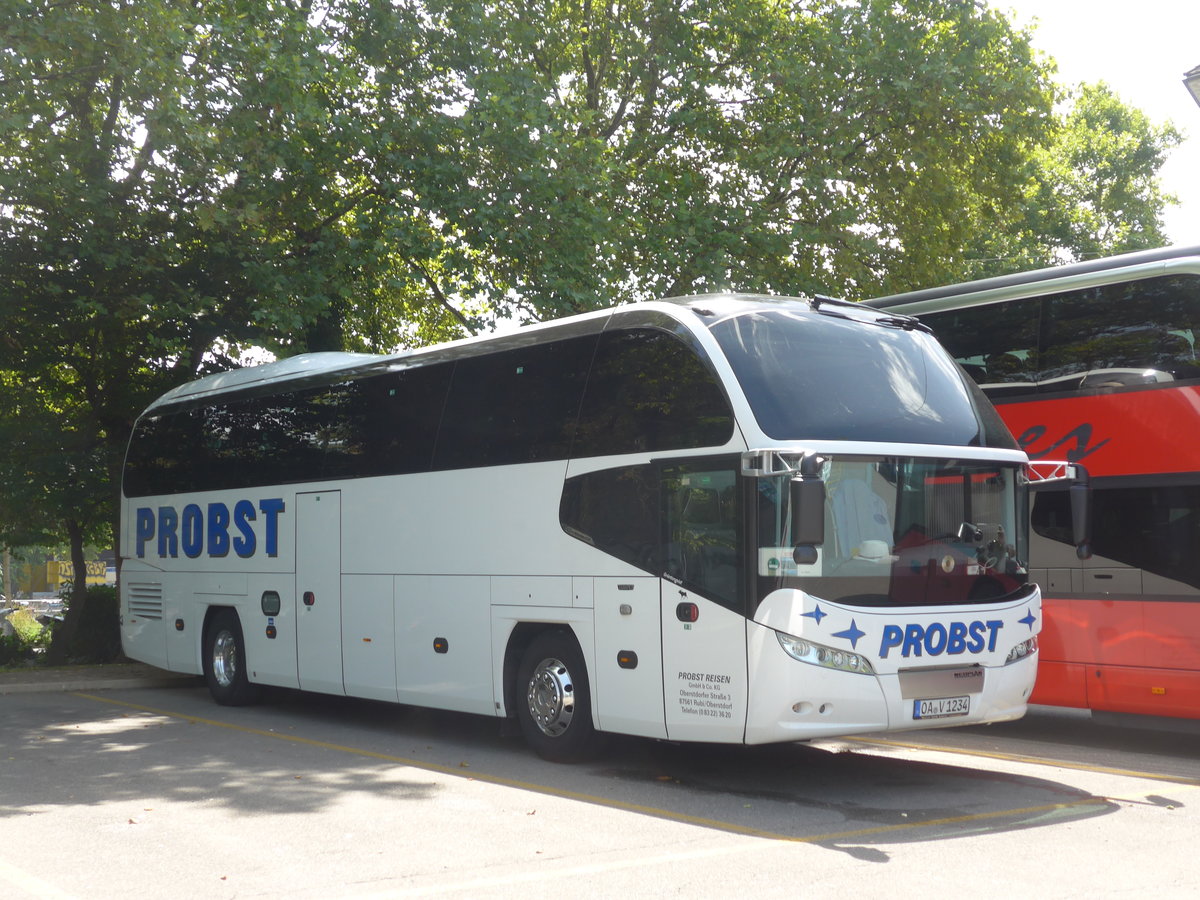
[
  {"x": 263, "y": 440},
  {"x": 682, "y": 519},
  {"x": 648, "y": 391},
  {"x": 1140, "y": 332},
  {"x": 1112, "y": 336},
  {"x": 390, "y": 423},
  {"x": 616, "y": 511},
  {"x": 241, "y": 443},
  {"x": 1155, "y": 529},
  {"x": 704, "y": 530},
  {"x": 383, "y": 425},
  {"x": 517, "y": 406},
  {"x": 997, "y": 344},
  {"x": 163, "y": 454}
]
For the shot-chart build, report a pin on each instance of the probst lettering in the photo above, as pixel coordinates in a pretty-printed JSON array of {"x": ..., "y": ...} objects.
[
  {"x": 212, "y": 530},
  {"x": 937, "y": 639}
]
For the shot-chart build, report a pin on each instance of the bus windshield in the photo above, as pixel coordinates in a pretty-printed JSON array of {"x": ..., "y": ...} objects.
[
  {"x": 814, "y": 375},
  {"x": 900, "y": 531}
]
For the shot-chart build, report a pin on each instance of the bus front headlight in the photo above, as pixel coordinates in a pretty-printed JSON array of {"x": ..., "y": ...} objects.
[
  {"x": 1022, "y": 650},
  {"x": 827, "y": 657}
]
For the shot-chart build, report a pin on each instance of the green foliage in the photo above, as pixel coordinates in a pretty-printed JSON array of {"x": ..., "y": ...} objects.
[
  {"x": 28, "y": 635},
  {"x": 27, "y": 628},
  {"x": 1102, "y": 170},
  {"x": 587, "y": 153},
  {"x": 1091, "y": 191}
]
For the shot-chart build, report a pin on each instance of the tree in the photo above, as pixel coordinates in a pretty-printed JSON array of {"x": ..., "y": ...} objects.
[
  {"x": 584, "y": 153},
  {"x": 51, "y": 462},
  {"x": 1091, "y": 191}
]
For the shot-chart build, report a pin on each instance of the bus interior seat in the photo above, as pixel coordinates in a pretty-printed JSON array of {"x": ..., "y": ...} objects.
[{"x": 1006, "y": 366}]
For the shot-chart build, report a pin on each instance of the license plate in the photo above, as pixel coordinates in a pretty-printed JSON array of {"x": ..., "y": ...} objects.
[{"x": 941, "y": 707}]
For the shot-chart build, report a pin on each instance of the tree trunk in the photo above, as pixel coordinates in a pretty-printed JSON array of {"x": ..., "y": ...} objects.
[
  {"x": 64, "y": 636},
  {"x": 327, "y": 331},
  {"x": 8, "y": 582}
]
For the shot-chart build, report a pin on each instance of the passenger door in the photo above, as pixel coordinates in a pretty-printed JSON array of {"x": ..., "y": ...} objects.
[
  {"x": 702, "y": 602},
  {"x": 319, "y": 591}
]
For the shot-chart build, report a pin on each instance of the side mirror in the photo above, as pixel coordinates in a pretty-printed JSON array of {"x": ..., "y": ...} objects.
[
  {"x": 1081, "y": 513},
  {"x": 807, "y": 496}
]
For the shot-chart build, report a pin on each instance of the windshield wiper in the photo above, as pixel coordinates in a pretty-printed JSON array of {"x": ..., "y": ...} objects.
[{"x": 907, "y": 323}]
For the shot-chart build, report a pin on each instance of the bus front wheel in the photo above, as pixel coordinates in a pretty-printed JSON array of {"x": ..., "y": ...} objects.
[
  {"x": 225, "y": 661},
  {"x": 554, "y": 705}
]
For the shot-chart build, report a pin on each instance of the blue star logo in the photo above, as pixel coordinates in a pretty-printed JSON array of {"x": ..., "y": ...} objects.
[
  {"x": 852, "y": 634},
  {"x": 1029, "y": 619},
  {"x": 815, "y": 614}
]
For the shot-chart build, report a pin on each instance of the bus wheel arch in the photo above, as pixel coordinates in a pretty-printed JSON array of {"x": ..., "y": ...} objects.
[
  {"x": 551, "y": 693},
  {"x": 223, "y": 654}
]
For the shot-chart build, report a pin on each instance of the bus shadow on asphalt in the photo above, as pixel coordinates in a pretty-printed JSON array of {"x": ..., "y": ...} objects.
[
  {"x": 799, "y": 792},
  {"x": 301, "y": 753}
]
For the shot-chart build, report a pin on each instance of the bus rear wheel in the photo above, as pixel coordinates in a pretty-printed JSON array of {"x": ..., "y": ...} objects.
[
  {"x": 225, "y": 661},
  {"x": 554, "y": 704}
]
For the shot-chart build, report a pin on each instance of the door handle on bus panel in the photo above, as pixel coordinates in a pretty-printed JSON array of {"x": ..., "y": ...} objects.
[{"x": 309, "y": 598}]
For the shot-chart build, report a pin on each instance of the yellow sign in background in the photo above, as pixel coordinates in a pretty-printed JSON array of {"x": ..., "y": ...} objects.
[{"x": 60, "y": 572}]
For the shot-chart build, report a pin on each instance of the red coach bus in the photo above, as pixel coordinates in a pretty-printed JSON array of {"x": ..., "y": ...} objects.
[{"x": 1098, "y": 363}]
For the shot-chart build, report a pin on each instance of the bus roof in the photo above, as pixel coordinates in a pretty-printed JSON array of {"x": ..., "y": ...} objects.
[
  {"x": 1124, "y": 267},
  {"x": 304, "y": 366},
  {"x": 316, "y": 368},
  {"x": 321, "y": 367}
]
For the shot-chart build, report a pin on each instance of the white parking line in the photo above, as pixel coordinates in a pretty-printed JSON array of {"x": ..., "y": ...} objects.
[{"x": 30, "y": 884}]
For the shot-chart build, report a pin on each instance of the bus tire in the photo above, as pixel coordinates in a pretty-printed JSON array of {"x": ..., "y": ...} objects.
[
  {"x": 225, "y": 661},
  {"x": 554, "y": 703}
]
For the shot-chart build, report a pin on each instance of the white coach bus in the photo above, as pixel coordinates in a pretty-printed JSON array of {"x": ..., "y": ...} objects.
[{"x": 723, "y": 518}]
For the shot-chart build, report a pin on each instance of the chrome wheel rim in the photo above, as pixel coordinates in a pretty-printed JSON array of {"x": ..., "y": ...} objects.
[
  {"x": 551, "y": 697},
  {"x": 224, "y": 659}
]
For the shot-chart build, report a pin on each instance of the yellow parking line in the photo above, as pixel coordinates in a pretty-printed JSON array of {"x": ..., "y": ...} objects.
[
  {"x": 1029, "y": 760},
  {"x": 500, "y": 780}
]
